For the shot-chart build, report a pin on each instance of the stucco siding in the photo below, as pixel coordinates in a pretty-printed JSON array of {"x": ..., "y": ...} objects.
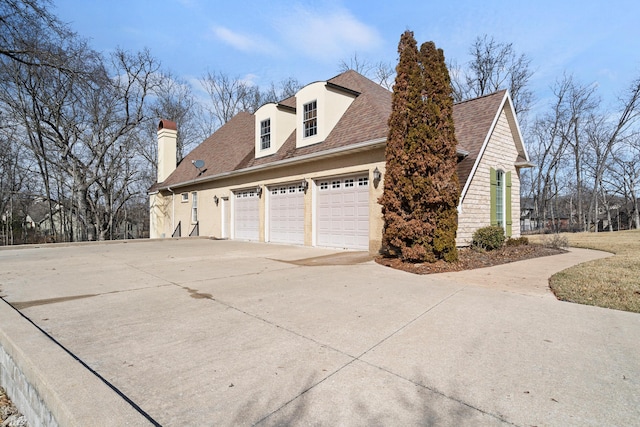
[
  {"x": 475, "y": 208},
  {"x": 210, "y": 216}
]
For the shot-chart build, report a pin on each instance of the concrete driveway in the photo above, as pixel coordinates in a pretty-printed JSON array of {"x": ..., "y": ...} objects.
[{"x": 197, "y": 332}]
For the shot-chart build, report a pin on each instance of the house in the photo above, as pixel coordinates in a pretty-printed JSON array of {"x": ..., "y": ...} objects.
[{"x": 310, "y": 169}]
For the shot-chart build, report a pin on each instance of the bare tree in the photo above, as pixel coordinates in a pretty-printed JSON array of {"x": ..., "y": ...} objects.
[
  {"x": 381, "y": 72},
  {"x": 33, "y": 36},
  {"x": 493, "y": 66},
  {"x": 289, "y": 87},
  {"x": 550, "y": 146},
  {"x": 357, "y": 64},
  {"x": 101, "y": 150},
  {"x": 581, "y": 106},
  {"x": 172, "y": 98},
  {"x": 13, "y": 180},
  {"x": 80, "y": 126},
  {"x": 228, "y": 96},
  {"x": 625, "y": 176},
  {"x": 604, "y": 138}
]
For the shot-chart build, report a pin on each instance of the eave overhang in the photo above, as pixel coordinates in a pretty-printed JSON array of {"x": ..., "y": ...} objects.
[{"x": 353, "y": 148}]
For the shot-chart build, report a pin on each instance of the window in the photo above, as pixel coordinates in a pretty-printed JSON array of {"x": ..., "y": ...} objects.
[
  {"x": 348, "y": 183},
  {"x": 310, "y": 120},
  {"x": 500, "y": 198},
  {"x": 194, "y": 207},
  {"x": 363, "y": 182},
  {"x": 265, "y": 134},
  {"x": 501, "y": 214},
  {"x": 185, "y": 197},
  {"x": 335, "y": 184},
  {"x": 324, "y": 185}
]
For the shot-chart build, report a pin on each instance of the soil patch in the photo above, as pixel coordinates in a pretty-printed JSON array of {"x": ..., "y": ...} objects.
[{"x": 469, "y": 259}]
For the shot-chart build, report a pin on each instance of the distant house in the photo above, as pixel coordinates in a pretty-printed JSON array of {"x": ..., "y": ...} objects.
[
  {"x": 63, "y": 219},
  {"x": 309, "y": 170}
]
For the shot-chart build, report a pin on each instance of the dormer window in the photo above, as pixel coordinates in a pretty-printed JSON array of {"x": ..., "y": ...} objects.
[
  {"x": 310, "y": 121},
  {"x": 265, "y": 134}
]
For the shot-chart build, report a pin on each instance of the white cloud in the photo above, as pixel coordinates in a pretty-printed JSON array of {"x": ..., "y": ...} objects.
[
  {"x": 237, "y": 40},
  {"x": 243, "y": 42},
  {"x": 326, "y": 34}
]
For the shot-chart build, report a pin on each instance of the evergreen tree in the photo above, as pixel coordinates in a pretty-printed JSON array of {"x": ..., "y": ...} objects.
[{"x": 421, "y": 187}]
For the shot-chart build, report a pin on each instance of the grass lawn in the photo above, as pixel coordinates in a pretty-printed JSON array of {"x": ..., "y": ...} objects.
[{"x": 612, "y": 282}]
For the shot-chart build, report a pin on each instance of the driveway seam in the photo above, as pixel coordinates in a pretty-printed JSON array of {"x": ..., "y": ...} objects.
[
  {"x": 438, "y": 392},
  {"x": 415, "y": 319},
  {"x": 431, "y": 389},
  {"x": 358, "y": 358}
]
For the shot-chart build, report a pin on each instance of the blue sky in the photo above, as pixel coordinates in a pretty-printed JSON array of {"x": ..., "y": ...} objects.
[{"x": 597, "y": 42}]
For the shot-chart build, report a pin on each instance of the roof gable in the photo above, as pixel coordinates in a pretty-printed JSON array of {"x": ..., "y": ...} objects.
[{"x": 475, "y": 121}]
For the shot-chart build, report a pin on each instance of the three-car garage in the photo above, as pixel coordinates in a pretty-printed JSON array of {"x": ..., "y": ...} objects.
[{"x": 339, "y": 208}]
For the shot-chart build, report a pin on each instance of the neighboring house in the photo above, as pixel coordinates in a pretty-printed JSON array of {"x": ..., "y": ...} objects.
[
  {"x": 310, "y": 169},
  {"x": 64, "y": 220},
  {"x": 528, "y": 217}
]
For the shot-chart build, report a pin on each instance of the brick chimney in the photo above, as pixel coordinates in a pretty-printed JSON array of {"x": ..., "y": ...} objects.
[{"x": 167, "y": 148}]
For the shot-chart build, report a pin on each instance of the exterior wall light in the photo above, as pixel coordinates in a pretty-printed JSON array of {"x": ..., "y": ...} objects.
[
  {"x": 259, "y": 191},
  {"x": 216, "y": 200},
  {"x": 305, "y": 185},
  {"x": 377, "y": 175}
]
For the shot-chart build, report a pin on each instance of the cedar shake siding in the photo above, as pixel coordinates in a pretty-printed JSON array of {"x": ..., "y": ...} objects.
[{"x": 475, "y": 208}]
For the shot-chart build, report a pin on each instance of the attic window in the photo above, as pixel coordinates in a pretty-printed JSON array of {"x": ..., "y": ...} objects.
[
  {"x": 310, "y": 120},
  {"x": 185, "y": 197},
  {"x": 265, "y": 134}
]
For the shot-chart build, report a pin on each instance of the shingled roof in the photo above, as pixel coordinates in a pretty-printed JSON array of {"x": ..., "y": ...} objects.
[
  {"x": 231, "y": 148},
  {"x": 473, "y": 120}
]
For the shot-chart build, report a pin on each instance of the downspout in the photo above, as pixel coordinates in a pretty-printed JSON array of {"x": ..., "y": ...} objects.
[{"x": 173, "y": 209}]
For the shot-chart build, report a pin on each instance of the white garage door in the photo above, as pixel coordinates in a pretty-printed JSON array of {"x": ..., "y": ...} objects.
[
  {"x": 343, "y": 212},
  {"x": 246, "y": 215},
  {"x": 286, "y": 214}
]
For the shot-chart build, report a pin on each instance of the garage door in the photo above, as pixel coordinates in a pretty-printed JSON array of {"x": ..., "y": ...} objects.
[
  {"x": 343, "y": 212},
  {"x": 246, "y": 215},
  {"x": 286, "y": 214}
]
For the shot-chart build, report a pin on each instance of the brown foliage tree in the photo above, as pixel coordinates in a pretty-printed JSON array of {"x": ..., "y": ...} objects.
[{"x": 421, "y": 187}]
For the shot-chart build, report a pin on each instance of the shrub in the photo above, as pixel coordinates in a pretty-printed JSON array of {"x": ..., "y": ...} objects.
[
  {"x": 555, "y": 241},
  {"x": 519, "y": 241},
  {"x": 489, "y": 238}
]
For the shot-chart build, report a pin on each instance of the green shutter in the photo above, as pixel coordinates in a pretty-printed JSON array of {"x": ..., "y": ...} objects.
[
  {"x": 507, "y": 201},
  {"x": 494, "y": 184}
]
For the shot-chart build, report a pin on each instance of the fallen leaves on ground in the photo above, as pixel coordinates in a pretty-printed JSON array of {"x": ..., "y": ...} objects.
[{"x": 469, "y": 259}]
